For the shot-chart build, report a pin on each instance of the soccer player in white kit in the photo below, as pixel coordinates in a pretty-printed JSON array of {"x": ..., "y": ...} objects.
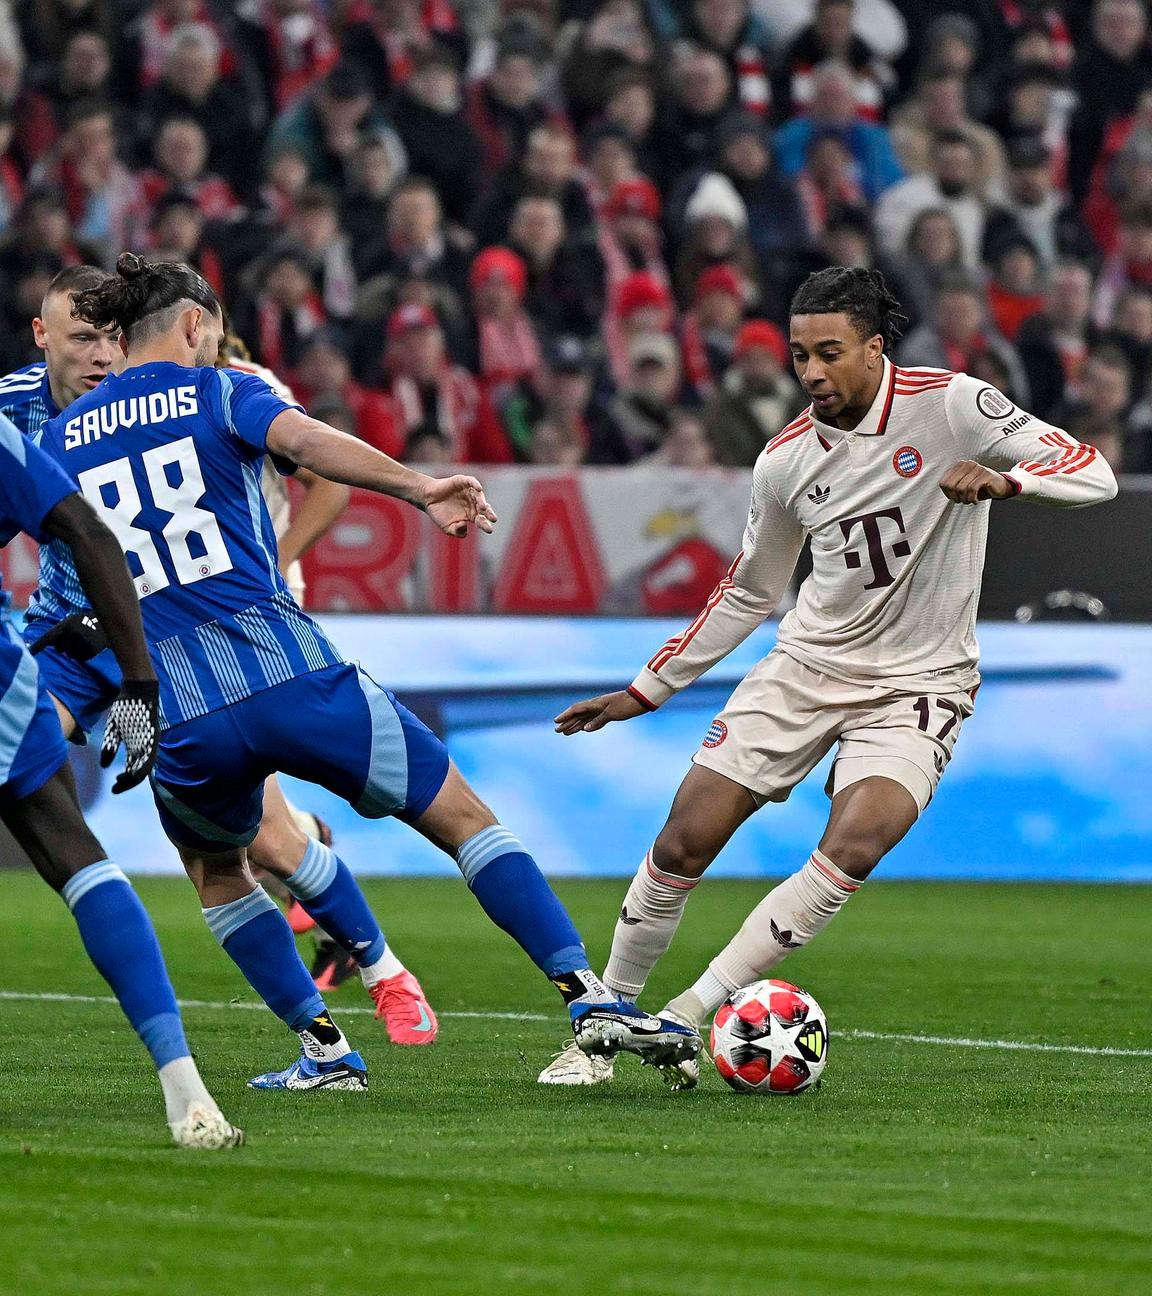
[{"x": 891, "y": 472}]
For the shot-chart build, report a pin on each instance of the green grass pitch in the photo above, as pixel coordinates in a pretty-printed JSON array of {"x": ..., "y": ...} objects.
[{"x": 917, "y": 1169}]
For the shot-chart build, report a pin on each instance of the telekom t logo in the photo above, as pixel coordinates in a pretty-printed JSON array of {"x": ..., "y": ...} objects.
[{"x": 874, "y": 535}]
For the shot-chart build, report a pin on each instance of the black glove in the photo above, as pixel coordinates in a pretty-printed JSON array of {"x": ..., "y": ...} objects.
[
  {"x": 134, "y": 720},
  {"x": 79, "y": 636}
]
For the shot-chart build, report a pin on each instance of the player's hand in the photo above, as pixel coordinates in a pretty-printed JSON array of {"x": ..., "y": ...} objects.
[
  {"x": 79, "y": 636},
  {"x": 595, "y": 713},
  {"x": 455, "y": 503},
  {"x": 134, "y": 720},
  {"x": 967, "y": 482}
]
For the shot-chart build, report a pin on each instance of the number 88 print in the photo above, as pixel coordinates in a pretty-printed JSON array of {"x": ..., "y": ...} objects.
[{"x": 181, "y": 500}]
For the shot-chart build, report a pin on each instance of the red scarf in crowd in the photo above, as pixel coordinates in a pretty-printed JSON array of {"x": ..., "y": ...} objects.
[
  {"x": 270, "y": 329},
  {"x": 458, "y": 402},
  {"x": 508, "y": 349}
]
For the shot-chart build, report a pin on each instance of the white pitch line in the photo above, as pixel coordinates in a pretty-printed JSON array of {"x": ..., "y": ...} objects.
[{"x": 945, "y": 1041}]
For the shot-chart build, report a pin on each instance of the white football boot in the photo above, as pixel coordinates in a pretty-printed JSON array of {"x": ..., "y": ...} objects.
[
  {"x": 572, "y": 1066},
  {"x": 205, "y": 1127}
]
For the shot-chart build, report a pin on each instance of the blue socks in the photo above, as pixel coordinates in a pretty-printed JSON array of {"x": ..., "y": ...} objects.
[
  {"x": 256, "y": 937},
  {"x": 329, "y": 893},
  {"x": 514, "y": 894},
  {"x": 121, "y": 942}
]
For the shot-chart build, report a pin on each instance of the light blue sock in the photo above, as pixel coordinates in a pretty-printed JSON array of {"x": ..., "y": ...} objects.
[
  {"x": 515, "y": 895},
  {"x": 256, "y": 937},
  {"x": 326, "y": 889},
  {"x": 121, "y": 942}
]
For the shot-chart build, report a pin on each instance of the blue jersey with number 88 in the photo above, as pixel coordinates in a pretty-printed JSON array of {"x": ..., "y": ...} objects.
[{"x": 170, "y": 458}]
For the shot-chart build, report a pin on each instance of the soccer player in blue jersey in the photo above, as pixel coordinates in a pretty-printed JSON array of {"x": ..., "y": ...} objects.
[
  {"x": 169, "y": 453},
  {"x": 84, "y": 680},
  {"x": 38, "y": 801}
]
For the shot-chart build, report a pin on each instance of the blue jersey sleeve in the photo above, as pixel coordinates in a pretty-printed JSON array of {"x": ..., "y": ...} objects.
[
  {"x": 248, "y": 406},
  {"x": 31, "y": 485}
]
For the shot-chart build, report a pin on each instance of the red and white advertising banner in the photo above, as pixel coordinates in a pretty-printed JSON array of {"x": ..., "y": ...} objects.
[{"x": 621, "y": 541}]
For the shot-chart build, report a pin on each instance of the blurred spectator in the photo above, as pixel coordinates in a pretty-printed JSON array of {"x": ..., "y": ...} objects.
[
  {"x": 26, "y": 288},
  {"x": 288, "y": 43},
  {"x": 83, "y": 73},
  {"x": 609, "y": 159},
  {"x": 428, "y": 115},
  {"x": 1037, "y": 103},
  {"x": 829, "y": 183},
  {"x": 1129, "y": 266},
  {"x": 374, "y": 171},
  {"x": 951, "y": 185},
  {"x": 708, "y": 331},
  {"x": 101, "y": 194},
  {"x": 324, "y": 375},
  {"x": 641, "y": 304},
  {"x": 639, "y": 417},
  {"x": 329, "y": 122},
  {"x": 1122, "y": 174},
  {"x": 830, "y": 36},
  {"x": 832, "y": 111},
  {"x": 610, "y": 55},
  {"x": 507, "y": 350},
  {"x": 630, "y": 237},
  {"x": 180, "y": 152},
  {"x": 547, "y": 169},
  {"x": 756, "y": 398},
  {"x": 687, "y": 444},
  {"x": 568, "y": 427},
  {"x": 715, "y": 233},
  {"x": 149, "y": 36},
  {"x": 1014, "y": 287},
  {"x": 432, "y": 398},
  {"x": 47, "y": 25},
  {"x": 177, "y": 232},
  {"x": 192, "y": 85},
  {"x": 41, "y": 234},
  {"x": 729, "y": 28},
  {"x": 932, "y": 253},
  {"x": 507, "y": 105},
  {"x": 958, "y": 333},
  {"x": 1100, "y": 414},
  {"x": 1053, "y": 343},
  {"x": 314, "y": 228},
  {"x": 565, "y": 277},
  {"x": 415, "y": 242},
  {"x": 630, "y": 105},
  {"x": 880, "y": 22},
  {"x": 286, "y": 311},
  {"x": 393, "y": 35},
  {"x": 1111, "y": 71},
  {"x": 940, "y": 104},
  {"x": 1131, "y": 331},
  {"x": 701, "y": 93},
  {"x": 1034, "y": 208}
]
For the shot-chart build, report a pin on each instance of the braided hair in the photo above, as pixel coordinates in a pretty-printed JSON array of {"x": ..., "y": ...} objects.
[
  {"x": 860, "y": 294},
  {"x": 142, "y": 296}
]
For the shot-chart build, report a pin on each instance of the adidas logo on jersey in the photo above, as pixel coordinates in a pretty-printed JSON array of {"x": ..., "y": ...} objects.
[
  {"x": 155, "y": 407},
  {"x": 818, "y": 494}
]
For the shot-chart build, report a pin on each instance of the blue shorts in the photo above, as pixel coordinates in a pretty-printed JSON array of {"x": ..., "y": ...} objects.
[
  {"x": 85, "y": 689},
  {"x": 32, "y": 746},
  {"x": 335, "y": 727}
]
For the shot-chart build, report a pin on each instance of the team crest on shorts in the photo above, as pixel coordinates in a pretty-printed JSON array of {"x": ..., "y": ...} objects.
[
  {"x": 717, "y": 732},
  {"x": 907, "y": 461}
]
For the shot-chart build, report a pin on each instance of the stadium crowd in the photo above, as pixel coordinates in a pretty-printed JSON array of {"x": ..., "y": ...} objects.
[{"x": 566, "y": 231}]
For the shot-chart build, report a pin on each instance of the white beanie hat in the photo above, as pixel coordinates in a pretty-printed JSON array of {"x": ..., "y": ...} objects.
[{"x": 716, "y": 195}]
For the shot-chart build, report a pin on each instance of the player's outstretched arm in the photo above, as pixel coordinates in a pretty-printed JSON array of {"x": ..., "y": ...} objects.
[
  {"x": 103, "y": 573},
  {"x": 595, "y": 713},
  {"x": 454, "y": 503}
]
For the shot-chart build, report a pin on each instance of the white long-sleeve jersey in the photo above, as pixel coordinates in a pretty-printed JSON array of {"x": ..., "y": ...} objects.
[{"x": 896, "y": 567}]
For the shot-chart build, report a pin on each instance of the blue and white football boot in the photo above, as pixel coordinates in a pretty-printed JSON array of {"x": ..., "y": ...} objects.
[
  {"x": 605, "y": 1029},
  {"x": 349, "y": 1073}
]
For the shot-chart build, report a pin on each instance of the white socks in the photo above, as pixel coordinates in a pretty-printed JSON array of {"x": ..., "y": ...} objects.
[
  {"x": 386, "y": 966},
  {"x": 652, "y": 911},
  {"x": 788, "y": 917},
  {"x": 182, "y": 1087}
]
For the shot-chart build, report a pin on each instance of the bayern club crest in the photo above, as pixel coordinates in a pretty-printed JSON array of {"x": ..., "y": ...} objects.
[
  {"x": 717, "y": 732},
  {"x": 907, "y": 461}
]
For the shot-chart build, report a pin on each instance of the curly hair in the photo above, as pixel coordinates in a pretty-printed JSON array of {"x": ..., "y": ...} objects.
[
  {"x": 142, "y": 295},
  {"x": 860, "y": 294}
]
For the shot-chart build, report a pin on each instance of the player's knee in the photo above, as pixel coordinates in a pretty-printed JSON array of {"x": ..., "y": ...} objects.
[
  {"x": 279, "y": 846},
  {"x": 857, "y": 854},
  {"x": 681, "y": 851}
]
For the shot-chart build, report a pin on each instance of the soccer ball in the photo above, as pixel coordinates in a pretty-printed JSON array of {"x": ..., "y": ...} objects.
[{"x": 770, "y": 1038}]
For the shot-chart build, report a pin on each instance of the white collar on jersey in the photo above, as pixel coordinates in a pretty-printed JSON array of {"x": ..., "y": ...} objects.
[{"x": 875, "y": 422}]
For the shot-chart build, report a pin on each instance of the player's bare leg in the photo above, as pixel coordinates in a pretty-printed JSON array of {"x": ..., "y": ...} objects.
[
  {"x": 514, "y": 894},
  {"x": 324, "y": 888},
  {"x": 707, "y": 810},
  {"x": 868, "y": 818}
]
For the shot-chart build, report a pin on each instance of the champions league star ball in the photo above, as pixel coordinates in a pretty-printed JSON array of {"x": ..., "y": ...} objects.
[{"x": 770, "y": 1038}]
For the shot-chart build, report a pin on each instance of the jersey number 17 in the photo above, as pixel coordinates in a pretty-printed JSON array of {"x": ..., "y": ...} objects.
[{"x": 191, "y": 559}]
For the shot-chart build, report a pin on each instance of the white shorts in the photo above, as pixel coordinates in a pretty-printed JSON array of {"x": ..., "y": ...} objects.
[{"x": 784, "y": 717}]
